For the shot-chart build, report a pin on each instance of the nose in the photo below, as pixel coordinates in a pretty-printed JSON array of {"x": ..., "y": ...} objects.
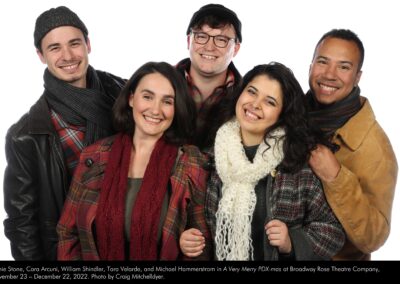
[
  {"x": 330, "y": 71},
  {"x": 210, "y": 44},
  {"x": 155, "y": 107},
  {"x": 67, "y": 54},
  {"x": 256, "y": 103}
]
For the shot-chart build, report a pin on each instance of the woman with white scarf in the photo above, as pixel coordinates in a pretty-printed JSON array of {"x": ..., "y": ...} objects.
[{"x": 263, "y": 201}]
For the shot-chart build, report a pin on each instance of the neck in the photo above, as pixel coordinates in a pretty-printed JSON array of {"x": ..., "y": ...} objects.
[
  {"x": 142, "y": 149},
  {"x": 206, "y": 84},
  {"x": 144, "y": 144},
  {"x": 248, "y": 139}
]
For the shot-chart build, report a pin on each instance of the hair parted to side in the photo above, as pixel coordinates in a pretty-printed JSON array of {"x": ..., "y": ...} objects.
[
  {"x": 183, "y": 125},
  {"x": 299, "y": 138}
]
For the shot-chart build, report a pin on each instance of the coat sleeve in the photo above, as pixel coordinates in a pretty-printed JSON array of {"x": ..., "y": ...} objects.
[
  {"x": 186, "y": 207},
  {"x": 363, "y": 202},
  {"x": 197, "y": 185},
  {"x": 21, "y": 200},
  {"x": 69, "y": 246},
  {"x": 321, "y": 235}
]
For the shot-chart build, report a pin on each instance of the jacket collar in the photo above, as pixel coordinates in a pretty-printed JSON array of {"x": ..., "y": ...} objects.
[
  {"x": 40, "y": 119},
  {"x": 354, "y": 131},
  {"x": 183, "y": 67}
]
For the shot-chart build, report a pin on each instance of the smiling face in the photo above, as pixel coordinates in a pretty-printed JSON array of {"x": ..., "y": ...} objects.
[
  {"x": 153, "y": 106},
  {"x": 258, "y": 108},
  {"x": 208, "y": 60},
  {"x": 65, "y": 52},
  {"x": 334, "y": 70}
]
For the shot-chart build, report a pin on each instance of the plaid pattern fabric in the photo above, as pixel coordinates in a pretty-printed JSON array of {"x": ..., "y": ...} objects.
[
  {"x": 203, "y": 106},
  {"x": 71, "y": 138},
  {"x": 215, "y": 96},
  {"x": 186, "y": 207},
  {"x": 297, "y": 200}
]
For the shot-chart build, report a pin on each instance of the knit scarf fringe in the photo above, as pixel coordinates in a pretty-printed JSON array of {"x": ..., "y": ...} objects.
[{"x": 239, "y": 177}]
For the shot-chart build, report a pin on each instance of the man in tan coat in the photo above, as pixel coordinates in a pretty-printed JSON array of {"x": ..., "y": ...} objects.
[{"x": 359, "y": 171}]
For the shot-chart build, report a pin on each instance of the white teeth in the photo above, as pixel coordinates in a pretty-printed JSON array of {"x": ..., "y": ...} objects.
[
  {"x": 150, "y": 119},
  {"x": 209, "y": 57},
  {"x": 70, "y": 67},
  {"x": 327, "y": 88},
  {"x": 250, "y": 115}
]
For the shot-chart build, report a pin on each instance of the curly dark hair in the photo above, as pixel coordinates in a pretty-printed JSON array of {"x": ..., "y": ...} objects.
[
  {"x": 299, "y": 139},
  {"x": 183, "y": 125}
]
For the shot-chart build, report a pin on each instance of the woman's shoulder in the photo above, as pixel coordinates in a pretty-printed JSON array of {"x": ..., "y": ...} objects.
[
  {"x": 191, "y": 156},
  {"x": 102, "y": 145}
]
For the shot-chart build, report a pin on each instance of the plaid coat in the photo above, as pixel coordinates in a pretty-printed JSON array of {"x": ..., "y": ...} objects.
[
  {"x": 299, "y": 201},
  {"x": 186, "y": 206}
]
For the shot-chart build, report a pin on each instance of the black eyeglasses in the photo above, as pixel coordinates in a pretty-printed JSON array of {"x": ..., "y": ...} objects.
[{"x": 219, "y": 40}]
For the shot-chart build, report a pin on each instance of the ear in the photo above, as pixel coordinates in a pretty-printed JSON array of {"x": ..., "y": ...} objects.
[
  {"x": 89, "y": 47},
  {"x": 41, "y": 57},
  {"x": 131, "y": 100},
  {"x": 358, "y": 77},
  {"x": 188, "y": 41},
  {"x": 237, "y": 47}
]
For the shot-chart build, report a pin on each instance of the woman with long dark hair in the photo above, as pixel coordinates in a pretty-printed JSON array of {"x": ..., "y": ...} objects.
[
  {"x": 133, "y": 194},
  {"x": 263, "y": 201}
]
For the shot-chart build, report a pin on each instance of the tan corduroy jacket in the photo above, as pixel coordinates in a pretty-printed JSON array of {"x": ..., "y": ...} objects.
[{"x": 362, "y": 194}]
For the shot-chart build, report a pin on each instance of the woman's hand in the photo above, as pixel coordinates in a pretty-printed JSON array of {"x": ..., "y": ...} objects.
[
  {"x": 192, "y": 242},
  {"x": 278, "y": 236}
]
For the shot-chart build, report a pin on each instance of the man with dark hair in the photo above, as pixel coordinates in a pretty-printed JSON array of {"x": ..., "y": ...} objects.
[
  {"x": 44, "y": 146},
  {"x": 214, "y": 35},
  {"x": 359, "y": 170}
]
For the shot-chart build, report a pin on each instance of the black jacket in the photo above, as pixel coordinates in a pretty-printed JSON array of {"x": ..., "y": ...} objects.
[{"x": 36, "y": 180}]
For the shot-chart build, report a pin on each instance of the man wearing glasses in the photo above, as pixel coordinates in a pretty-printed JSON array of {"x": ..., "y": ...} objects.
[{"x": 213, "y": 37}]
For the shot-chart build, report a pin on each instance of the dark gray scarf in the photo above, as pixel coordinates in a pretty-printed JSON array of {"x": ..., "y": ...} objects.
[
  {"x": 329, "y": 118},
  {"x": 90, "y": 107}
]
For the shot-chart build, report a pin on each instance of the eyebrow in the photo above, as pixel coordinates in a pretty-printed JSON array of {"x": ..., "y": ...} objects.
[
  {"x": 58, "y": 44},
  {"x": 147, "y": 91},
  {"x": 202, "y": 32},
  {"x": 341, "y": 61},
  {"x": 272, "y": 98},
  {"x": 168, "y": 97},
  {"x": 52, "y": 45},
  {"x": 268, "y": 96},
  {"x": 151, "y": 92}
]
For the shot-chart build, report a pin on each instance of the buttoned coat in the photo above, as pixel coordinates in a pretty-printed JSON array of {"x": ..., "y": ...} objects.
[
  {"x": 362, "y": 194},
  {"x": 77, "y": 240}
]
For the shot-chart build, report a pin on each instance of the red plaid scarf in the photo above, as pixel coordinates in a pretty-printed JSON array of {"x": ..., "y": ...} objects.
[
  {"x": 147, "y": 208},
  {"x": 71, "y": 138}
]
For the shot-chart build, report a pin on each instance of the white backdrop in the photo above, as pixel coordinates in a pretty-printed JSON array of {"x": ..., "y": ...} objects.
[{"x": 125, "y": 34}]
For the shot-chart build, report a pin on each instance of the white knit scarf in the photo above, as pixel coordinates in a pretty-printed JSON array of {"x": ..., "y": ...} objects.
[{"x": 239, "y": 177}]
